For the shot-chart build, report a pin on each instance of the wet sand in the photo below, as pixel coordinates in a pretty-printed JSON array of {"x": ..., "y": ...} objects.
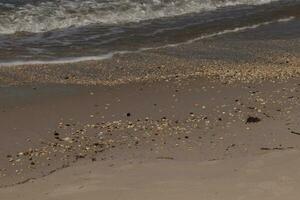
[
  {"x": 262, "y": 177},
  {"x": 198, "y": 120},
  {"x": 167, "y": 119}
]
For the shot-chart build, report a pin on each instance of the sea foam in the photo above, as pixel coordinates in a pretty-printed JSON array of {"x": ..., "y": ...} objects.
[{"x": 58, "y": 14}]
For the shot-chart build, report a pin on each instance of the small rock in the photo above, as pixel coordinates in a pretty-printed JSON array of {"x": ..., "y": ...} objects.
[{"x": 252, "y": 120}]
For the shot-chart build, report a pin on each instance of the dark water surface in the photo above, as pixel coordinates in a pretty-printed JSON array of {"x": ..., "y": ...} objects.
[{"x": 59, "y": 31}]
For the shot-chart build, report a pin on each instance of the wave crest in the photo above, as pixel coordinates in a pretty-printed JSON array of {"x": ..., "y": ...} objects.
[{"x": 58, "y": 14}]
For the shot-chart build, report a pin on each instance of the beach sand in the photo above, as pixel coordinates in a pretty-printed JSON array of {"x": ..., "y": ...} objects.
[{"x": 163, "y": 124}]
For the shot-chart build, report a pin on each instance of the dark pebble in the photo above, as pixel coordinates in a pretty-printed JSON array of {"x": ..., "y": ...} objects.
[
  {"x": 253, "y": 120},
  {"x": 265, "y": 148}
]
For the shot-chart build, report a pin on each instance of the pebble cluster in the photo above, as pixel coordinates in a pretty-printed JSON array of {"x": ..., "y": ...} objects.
[
  {"x": 127, "y": 68},
  {"x": 71, "y": 143}
]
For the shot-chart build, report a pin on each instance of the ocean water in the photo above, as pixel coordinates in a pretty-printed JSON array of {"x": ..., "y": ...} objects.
[{"x": 45, "y": 31}]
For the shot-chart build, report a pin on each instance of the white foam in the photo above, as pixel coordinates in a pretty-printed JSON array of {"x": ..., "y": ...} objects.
[
  {"x": 111, "y": 54},
  {"x": 238, "y": 29},
  {"x": 58, "y": 14}
]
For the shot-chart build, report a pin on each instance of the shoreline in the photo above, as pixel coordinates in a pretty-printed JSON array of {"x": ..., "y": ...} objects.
[
  {"x": 269, "y": 52},
  {"x": 99, "y": 73}
]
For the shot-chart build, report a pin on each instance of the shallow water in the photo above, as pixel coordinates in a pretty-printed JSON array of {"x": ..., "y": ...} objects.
[{"x": 59, "y": 31}]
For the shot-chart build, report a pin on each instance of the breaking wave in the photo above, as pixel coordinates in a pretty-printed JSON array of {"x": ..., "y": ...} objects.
[
  {"x": 111, "y": 54},
  {"x": 42, "y": 16}
]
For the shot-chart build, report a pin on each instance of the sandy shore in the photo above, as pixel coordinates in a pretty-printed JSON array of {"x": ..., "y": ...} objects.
[{"x": 172, "y": 123}]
